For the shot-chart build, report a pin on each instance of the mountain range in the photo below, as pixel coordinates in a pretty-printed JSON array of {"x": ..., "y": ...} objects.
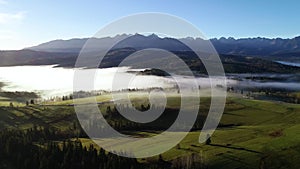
[
  {"x": 248, "y": 55},
  {"x": 245, "y": 46}
]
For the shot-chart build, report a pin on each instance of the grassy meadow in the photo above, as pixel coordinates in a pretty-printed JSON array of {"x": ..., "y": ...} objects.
[{"x": 251, "y": 134}]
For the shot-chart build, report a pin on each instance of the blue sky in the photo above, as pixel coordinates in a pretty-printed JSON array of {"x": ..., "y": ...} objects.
[{"x": 30, "y": 22}]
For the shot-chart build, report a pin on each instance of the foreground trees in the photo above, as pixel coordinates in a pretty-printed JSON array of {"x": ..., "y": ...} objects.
[{"x": 29, "y": 150}]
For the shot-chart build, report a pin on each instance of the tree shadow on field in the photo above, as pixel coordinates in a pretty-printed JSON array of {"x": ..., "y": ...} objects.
[{"x": 235, "y": 148}]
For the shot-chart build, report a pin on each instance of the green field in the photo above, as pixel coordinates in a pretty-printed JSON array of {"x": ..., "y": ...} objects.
[{"x": 252, "y": 134}]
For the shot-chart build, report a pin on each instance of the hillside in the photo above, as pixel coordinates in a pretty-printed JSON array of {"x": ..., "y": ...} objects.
[
  {"x": 231, "y": 63},
  {"x": 30, "y": 57},
  {"x": 267, "y": 133}
]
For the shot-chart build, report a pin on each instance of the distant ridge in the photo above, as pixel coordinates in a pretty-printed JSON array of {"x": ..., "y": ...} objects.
[
  {"x": 244, "y": 46},
  {"x": 136, "y": 41},
  {"x": 248, "y": 55}
]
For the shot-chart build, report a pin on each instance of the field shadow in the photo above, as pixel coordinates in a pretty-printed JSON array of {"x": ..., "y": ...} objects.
[{"x": 235, "y": 148}]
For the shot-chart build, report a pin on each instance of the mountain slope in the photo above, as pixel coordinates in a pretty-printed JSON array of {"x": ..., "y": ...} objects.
[
  {"x": 30, "y": 57},
  {"x": 136, "y": 41},
  {"x": 231, "y": 63},
  {"x": 257, "y": 46},
  {"x": 246, "y": 46},
  {"x": 234, "y": 61}
]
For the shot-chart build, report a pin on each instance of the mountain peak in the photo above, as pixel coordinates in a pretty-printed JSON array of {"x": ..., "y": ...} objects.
[{"x": 153, "y": 36}]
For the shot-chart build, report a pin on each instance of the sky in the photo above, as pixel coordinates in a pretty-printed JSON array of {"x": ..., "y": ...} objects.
[{"x": 31, "y": 22}]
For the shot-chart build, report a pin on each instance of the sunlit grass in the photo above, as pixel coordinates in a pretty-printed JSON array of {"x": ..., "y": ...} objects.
[{"x": 257, "y": 127}]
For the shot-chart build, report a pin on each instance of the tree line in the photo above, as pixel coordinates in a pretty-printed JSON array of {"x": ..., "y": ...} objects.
[{"x": 34, "y": 149}]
